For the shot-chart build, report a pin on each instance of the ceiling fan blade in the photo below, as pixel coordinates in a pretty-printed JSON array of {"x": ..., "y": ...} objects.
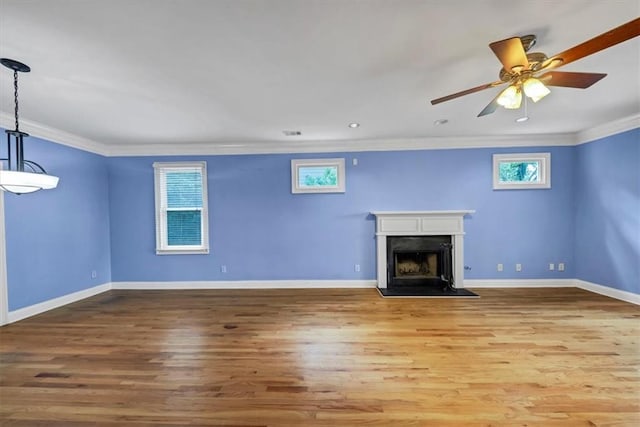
[
  {"x": 511, "y": 53},
  {"x": 605, "y": 40},
  {"x": 491, "y": 107},
  {"x": 565, "y": 79},
  {"x": 466, "y": 92}
]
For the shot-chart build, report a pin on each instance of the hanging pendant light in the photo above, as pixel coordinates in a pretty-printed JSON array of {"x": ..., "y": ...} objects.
[{"x": 18, "y": 175}]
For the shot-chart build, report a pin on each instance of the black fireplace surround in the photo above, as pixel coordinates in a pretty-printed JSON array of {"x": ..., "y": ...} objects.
[{"x": 419, "y": 261}]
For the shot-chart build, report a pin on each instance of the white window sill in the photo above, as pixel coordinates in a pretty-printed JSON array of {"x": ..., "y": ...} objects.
[{"x": 182, "y": 251}]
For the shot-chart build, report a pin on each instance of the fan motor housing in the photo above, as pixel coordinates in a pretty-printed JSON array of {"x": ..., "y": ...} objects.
[{"x": 536, "y": 59}]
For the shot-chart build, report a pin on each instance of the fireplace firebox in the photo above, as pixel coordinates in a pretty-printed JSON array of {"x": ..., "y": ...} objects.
[
  {"x": 449, "y": 252},
  {"x": 419, "y": 261}
]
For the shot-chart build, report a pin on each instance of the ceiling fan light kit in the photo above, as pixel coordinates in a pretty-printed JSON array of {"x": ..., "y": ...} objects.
[
  {"x": 535, "y": 89},
  {"x": 510, "y": 98},
  {"x": 531, "y": 72},
  {"x": 20, "y": 175}
]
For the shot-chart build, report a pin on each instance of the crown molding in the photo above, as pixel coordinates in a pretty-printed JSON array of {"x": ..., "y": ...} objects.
[
  {"x": 322, "y": 146},
  {"x": 328, "y": 146},
  {"x": 39, "y": 130},
  {"x": 608, "y": 129}
]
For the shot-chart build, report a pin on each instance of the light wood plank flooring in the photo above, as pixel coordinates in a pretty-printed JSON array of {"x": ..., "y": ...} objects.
[{"x": 547, "y": 357}]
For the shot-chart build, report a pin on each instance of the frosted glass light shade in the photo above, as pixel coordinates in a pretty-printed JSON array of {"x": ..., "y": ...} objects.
[
  {"x": 510, "y": 98},
  {"x": 26, "y": 182},
  {"x": 535, "y": 89}
]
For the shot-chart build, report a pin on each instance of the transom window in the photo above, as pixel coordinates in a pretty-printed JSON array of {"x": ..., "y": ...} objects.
[
  {"x": 181, "y": 208},
  {"x": 317, "y": 176},
  {"x": 523, "y": 170}
]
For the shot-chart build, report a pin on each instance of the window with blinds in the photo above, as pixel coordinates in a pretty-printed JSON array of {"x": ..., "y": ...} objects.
[{"x": 181, "y": 208}]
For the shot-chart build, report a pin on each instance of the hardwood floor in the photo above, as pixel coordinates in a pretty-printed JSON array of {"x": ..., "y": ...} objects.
[{"x": 548, "y": 357}]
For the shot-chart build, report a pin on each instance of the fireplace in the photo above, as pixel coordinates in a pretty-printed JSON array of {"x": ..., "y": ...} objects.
[
  {"x": 422, "y": 248},
  {"x": 419, "y": 261}
]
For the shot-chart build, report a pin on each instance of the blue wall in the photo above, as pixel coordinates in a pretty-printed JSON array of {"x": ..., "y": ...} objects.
[
  {"x": 101, "y": 218},
  {"x": 607, "y": 211},
  {"x": 56, "y": 238},
  {"x": 260, "y": 231}
]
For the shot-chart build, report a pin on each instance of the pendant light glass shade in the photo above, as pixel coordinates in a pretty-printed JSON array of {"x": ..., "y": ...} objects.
[
  {"x": 26, "y": 182},
  {"x": 18, "y": 175}
]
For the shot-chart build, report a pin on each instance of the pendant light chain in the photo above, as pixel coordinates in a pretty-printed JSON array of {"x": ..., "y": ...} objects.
[
  {"x": 22, "y": 176},
  {"x": 15, "y": 96}
]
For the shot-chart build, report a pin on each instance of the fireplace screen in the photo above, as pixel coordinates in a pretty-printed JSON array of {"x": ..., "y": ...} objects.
[
  {"x": 419, "y": 261},
  {"x": 415, "y": 265}
]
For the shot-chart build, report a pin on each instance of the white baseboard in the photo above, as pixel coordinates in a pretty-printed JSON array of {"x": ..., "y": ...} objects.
[
  {"x": 32, "y": 310},
  {"x": 555, "y": 283},
  {"x": 248, "y": 284},
  {"x": 519, "y": 283},
  {"x": 607, "y": 291},
  {"x": 35, "y": 309}
]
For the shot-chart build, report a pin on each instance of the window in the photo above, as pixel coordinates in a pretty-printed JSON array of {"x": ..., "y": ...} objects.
[
  {"x": 520, "y": 171},
  {"x": 317, "y": 176},
  {"x": 181, "y": 208}
]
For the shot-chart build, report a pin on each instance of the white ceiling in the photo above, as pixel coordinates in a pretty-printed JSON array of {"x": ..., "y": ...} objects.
[{"x": 168, "y": 72}]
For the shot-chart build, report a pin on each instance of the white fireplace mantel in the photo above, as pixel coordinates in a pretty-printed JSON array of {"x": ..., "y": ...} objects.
[{"x": 420, "y": 223}]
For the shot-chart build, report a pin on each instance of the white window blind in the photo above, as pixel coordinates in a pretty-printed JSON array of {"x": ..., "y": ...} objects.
[{"x": 181, "y": 208}]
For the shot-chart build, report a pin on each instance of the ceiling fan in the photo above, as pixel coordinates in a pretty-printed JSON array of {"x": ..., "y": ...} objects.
[{"x": 531, "y": 72}]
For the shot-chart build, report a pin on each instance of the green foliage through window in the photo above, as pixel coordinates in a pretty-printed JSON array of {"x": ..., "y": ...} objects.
[
  {"x": 318, "y": 176},
  {"x": 519, "y": 171}
]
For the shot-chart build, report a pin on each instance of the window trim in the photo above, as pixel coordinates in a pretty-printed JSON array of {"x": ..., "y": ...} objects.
[
  {"x": 162, "y": 247},
  {"x": 338, "y": 163},
  {"x": 544, "y": 171}
]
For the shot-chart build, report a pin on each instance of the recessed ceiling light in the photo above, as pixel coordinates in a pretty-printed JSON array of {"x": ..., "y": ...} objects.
[
  {"x": 440, "y": 122},
  {"x": 291, "y": 132},
  {"x": 354, "y": 125},
  {"x": 522, "y": 119}
]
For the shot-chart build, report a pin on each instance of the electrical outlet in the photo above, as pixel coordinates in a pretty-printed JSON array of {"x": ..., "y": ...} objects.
[
  {"x": 552, "y": 266},
  {"x": 356, "y": 267},
  {"x": 518, "y": 267},
  {"x": 223, "y": 269},
  {"x": 500, "y": 267},
  {"x": 561, "y": 266},
  {"x": 94, "y": 274}
]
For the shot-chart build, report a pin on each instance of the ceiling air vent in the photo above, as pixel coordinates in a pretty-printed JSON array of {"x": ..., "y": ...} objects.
[{"x": 292, "y": 132}]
